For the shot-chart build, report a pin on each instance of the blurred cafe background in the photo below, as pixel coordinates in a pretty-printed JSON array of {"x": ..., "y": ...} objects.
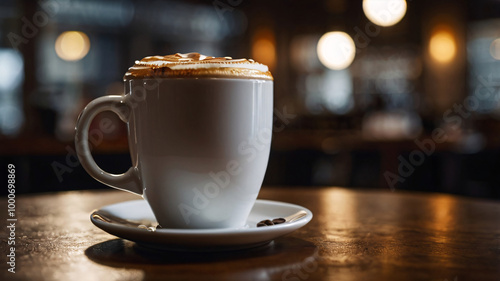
[{"x": 391, "y": 95}]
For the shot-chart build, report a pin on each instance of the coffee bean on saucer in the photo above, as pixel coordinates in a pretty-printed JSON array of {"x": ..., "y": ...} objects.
[
  {"x": 268, "y": 222},
  {"x": 279, "y": 220},
  {"x": 265, "y": 223}
]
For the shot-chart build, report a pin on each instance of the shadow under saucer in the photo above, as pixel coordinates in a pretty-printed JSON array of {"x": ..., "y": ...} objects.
[{"x": 270, "y": 260}]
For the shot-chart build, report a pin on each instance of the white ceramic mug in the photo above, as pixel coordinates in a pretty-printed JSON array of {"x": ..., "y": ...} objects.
[{"x": 199, "y": 146}]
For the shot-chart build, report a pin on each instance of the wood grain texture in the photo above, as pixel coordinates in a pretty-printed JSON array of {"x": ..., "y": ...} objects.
[{"x": 354, "y": 235}]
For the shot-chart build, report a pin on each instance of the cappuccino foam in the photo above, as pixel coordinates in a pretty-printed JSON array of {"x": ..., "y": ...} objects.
[{"x": 193, "y": 65}]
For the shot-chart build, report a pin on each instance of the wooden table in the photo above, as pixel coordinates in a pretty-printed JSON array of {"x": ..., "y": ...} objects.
[{"x": 354, "y": 235}]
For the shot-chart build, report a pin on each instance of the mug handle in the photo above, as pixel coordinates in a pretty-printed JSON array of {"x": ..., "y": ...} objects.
[{"x": 128, "y": 181}]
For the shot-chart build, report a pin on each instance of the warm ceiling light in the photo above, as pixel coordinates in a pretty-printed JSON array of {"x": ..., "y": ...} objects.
[
  {"x": 384, "y": 12},
  {"x": 336, "y": 50},
  {"x": 72, "y": 45},
  {"x": 442, "y": 46},
  {"x": 495, "y": 49}
]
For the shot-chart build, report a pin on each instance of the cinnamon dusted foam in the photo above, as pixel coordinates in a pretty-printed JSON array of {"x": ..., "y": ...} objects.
[{"x": 192, "y": 65}]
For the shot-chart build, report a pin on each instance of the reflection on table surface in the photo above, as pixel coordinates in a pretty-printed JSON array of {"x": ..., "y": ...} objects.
[{"x": 354, "y": 235}]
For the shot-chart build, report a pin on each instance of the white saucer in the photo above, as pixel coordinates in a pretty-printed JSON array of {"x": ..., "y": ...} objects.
[{"x": 123, "y": 220}]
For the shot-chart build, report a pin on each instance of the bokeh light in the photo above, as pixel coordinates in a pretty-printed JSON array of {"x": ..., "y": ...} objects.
[
  {"x": 442, "y": 46},
  {"x": 336, "y": 50},
  {"x": 72, "y": 45},
  {"x": 495, "y": 49},
  {"x": 384, "y": 12},
  {"x": 264, "y": 48},
  {"x": 12, "y": 70}
]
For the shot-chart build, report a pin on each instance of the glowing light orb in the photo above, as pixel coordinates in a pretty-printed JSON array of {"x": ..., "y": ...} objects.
[
  {"x": 336, "y": 50},
  {"x": 384, "y": 12},
  {"x": 264, "y": 51},
  {"x": 442, "y": 46},
  {"x": 72, "y": 45}
]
